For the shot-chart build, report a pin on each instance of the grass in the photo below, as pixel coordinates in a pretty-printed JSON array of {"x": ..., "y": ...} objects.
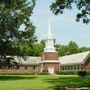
[{"x": 41, "y": 82}]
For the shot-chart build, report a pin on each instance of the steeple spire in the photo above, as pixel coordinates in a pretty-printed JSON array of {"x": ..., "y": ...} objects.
[
  {"x": 49, "y": 30},
  {"x": 49, "y": 44}
]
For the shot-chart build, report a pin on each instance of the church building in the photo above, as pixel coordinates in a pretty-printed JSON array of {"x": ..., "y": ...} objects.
[{"x": 50, "y": 61}]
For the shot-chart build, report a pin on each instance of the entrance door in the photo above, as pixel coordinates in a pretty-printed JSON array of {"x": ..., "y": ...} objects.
[{"x": 51, "y": 70}]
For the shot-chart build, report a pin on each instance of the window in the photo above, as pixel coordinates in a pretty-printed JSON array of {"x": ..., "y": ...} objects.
[
  {"x": 82, "y": 66},
  {"x": 74, "y": 67},
  {"x": 62, "y": 67},
  {"x": 68, "y": 67},
  {"x": 71, "y": 67},
  {"x": 65, "y": 67},
  {"x": 78, "y": 67}
]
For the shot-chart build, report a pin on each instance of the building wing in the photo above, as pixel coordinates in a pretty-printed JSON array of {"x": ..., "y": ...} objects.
[
  {"x": 33, "y": 60},
  {"x": 75, "y": 58},
  {"x": 27, "y": 60}
]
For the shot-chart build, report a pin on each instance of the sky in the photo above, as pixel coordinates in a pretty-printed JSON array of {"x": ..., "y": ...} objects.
[{"x": 64, "y": 27}]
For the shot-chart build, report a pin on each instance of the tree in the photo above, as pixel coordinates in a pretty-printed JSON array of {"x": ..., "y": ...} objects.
[
  {"x": 14, "y": 13},
  {"x": 83, "y": 49},
  {"x": 61, "y": 49},
  {"x": 83, "y": 6},
  {"x": 26, "y": 50},
  {"x": 12, "y": 16},
  {"x": 42, "y": 42},
  {"x": 37, "y": 49},
  {"x": 72, "y": 48}
]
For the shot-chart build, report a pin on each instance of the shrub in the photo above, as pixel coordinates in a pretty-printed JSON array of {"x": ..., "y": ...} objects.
[
  {"x": 67, "y": 72},
  {"x": 16, "y": 73},
  {"x": 82, "y": 73}
]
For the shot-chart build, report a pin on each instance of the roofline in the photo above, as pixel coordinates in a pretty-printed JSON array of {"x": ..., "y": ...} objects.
[
  {"x": 74, "y": 54},
  {"x": 29, "y": 64},
  {"x": 72, "y": 63},
  {"x": 88, "y": 56}
]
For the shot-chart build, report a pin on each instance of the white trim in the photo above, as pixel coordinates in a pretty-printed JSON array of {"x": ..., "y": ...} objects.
[
  {"x": 86, "y": 57},
  {"x": 73, "y": 63},
  {"x": 50, "y": 61}
]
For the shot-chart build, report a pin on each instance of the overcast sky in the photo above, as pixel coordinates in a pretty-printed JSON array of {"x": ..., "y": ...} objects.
[{"x": 64, "y": 27}]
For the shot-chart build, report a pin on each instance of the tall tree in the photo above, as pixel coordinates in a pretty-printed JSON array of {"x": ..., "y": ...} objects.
[
  {"x": 14, "y": 13},
  {"x": 63, "y": 50},
  {"x": 58, "y": 6}
]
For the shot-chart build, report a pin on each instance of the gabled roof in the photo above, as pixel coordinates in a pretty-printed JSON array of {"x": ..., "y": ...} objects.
[
  {"x": 78, "y": 58},
  {"x": 32, "y": 60},
  {"x": 28, "y": 60},
  {"x": 75, "y": 58}
]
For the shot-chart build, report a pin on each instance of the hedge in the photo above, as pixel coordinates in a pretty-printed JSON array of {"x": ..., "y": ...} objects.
[
  {"x": 16, "y": 73},
  {"x": 67, "y": 72}
]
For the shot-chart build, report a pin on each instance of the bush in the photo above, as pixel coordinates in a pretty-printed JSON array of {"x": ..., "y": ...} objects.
[
  {"x": 67, "y": 72},
  {"x": 82, "y": 73}
]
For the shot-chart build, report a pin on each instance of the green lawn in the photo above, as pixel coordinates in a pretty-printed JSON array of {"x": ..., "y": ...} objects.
[{"x": 41, "y": 82}]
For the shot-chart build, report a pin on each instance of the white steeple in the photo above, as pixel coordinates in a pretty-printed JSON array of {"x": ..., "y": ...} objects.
[
  {"x": 49, "y": 30},
  {"x": 49, "y": 44}
]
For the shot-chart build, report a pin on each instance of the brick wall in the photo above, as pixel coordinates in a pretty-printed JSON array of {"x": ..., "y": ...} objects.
[
  {"x": 49, "y": 56},
  {"x": 55, "y": 65},
  {"x": 21, "y": 68}
]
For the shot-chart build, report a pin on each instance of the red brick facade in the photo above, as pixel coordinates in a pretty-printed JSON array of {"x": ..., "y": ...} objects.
[
  {"x": 30, "y": 68},
  {"x": 49, "y": 56},
  {"x": 55, "y": 65},
  {"x": 50, "y": 59}
]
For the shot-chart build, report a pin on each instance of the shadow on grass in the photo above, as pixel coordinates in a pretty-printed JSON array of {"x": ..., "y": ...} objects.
[
  {"x": 61, "y": 83},
  {"x": 13, "y": 77}
]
